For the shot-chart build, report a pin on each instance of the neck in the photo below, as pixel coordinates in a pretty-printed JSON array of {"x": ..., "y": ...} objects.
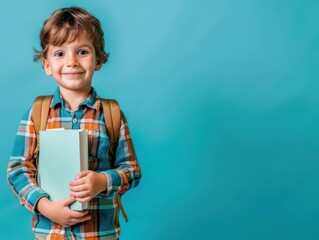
[{"x": 74, "y": 98}]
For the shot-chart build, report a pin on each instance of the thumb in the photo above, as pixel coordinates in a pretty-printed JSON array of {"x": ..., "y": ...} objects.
[{"x": 68, "y": 201}]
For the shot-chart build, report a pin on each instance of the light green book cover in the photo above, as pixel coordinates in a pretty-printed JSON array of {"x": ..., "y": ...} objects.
[{"x": 63, "y": 154}]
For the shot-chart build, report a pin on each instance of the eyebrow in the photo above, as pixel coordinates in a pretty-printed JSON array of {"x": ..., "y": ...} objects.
[
  {"x": 85, "y": 45},
  {"x": 55, "y": 48}
]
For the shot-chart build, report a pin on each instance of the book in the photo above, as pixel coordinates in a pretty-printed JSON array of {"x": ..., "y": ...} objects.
[{"x": 63, "y": 154}]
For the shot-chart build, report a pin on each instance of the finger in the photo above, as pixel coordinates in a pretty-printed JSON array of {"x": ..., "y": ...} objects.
[
  {"x": 79, "y": 214},
  {"x": 68, "y": 201},
  {"x": 66, "y": 224},
  {"x": 80, "y": 194},
  {"x": 78, "y": 188},
  {"x": 82, "y": 174},
  {"x": 79, "y": 181},
  {"x": 81, "y": 219},
  {"x": 84, "y": 199}
]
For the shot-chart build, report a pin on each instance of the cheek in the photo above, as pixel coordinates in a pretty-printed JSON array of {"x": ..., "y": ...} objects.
[
  {"x": 55, "y": 69},
  {"x": 91, "y": 64},
  {"x": 91, "y": 68}
]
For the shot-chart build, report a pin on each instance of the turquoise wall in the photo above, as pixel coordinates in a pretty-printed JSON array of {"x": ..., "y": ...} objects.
[{"x": 222, "y": 101}]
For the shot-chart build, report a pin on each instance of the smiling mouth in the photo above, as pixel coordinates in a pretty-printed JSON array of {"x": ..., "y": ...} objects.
[{"x": 73, "y": 73}]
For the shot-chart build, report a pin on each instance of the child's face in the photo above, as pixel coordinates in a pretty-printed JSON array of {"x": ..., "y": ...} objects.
[{"x": 72, "y": 64}]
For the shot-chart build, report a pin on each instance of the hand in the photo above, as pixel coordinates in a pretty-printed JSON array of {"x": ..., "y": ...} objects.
[
  {"x": 59, "y": 211},
  {"x": 87, "y": 185}
]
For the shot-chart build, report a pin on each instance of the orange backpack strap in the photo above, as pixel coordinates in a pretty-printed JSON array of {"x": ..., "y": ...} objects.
[
  {"x": 112, "y": 118},
  {"x": 40, "y": 112}
]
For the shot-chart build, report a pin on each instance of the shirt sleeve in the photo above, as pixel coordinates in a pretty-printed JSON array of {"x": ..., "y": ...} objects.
[
  {"x": 21, "y": 171},
  {"x": 126, "y": 173}
]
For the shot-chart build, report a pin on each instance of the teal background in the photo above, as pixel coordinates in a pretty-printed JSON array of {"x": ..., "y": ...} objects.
[{"x": 222, "y": 102}]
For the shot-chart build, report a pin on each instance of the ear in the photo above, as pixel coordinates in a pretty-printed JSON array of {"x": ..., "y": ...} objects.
[
  {"x": 98, "y": 66},
  {"x": 46, "y": 66}
]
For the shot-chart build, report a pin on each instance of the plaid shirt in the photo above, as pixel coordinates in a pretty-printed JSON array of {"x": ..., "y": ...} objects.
[{"x": 126, "y": 174}]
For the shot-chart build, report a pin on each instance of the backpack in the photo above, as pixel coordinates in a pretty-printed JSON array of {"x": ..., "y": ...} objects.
[{"x": 111, "y": 110}]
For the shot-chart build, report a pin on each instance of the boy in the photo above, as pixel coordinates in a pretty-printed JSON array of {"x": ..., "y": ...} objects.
[{"x": 72, "y": 45}]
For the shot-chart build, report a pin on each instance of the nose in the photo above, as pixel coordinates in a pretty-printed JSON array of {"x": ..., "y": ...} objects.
[{"x": 71, "y": 60}]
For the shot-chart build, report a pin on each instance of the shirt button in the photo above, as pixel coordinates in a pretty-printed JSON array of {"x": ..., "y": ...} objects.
[{"x": 74, "y": 120}]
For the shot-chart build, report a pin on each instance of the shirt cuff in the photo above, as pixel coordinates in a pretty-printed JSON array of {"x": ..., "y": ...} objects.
[
  {"x": 32, "y": 197},
  {"x": 114, "y": 183}
]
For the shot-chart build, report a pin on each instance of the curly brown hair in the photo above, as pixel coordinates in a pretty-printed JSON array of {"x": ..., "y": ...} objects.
[{"x": 64, "y": 25}]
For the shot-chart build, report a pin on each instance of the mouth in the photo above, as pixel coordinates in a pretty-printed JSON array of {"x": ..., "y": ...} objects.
[{"x": 73, "y": 74}]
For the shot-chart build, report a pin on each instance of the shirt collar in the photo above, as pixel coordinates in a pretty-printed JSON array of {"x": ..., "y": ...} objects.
[{"x": 90, "y": 101}]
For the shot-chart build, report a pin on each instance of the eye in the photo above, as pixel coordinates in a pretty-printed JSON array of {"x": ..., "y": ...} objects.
[
  {"x": 58, "y": 54},
  {"x": 83, "y": 52}
]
